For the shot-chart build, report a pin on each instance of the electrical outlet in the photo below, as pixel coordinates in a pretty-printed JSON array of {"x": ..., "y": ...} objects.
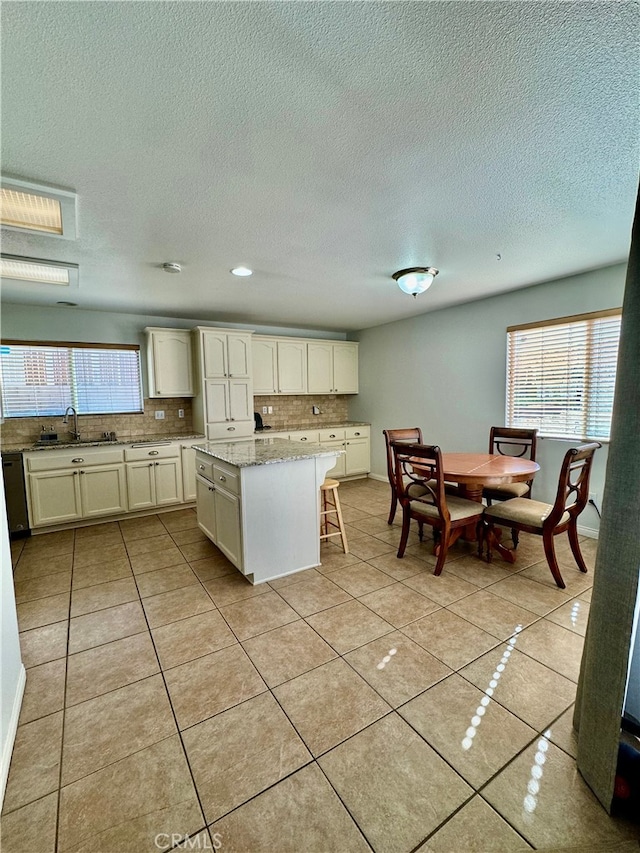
[
  {"x": 265, "y": 410},
  {"x": 160, "y": 415},
  {"x": 269, "y": 410},
  {"x": 593, "y": 496},
  {"x": 180, "y": 413}
]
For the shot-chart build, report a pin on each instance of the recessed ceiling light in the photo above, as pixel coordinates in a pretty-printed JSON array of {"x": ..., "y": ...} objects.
[
  {"x": 38, "y": 271},
  {"x": 69, "y": 304},
  {"x": 242, "y": 271},
  {"x": 172, "y": 267},
  {"x": 38, "y": 209}
]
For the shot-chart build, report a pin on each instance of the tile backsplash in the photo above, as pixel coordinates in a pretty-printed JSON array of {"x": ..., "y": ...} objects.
[{"x": 293, "y": 410}]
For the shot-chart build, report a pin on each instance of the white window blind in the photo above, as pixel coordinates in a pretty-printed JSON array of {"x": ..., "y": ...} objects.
[
  {"x": 41, "y": 380},
  {"x": 561, "y": 375}
]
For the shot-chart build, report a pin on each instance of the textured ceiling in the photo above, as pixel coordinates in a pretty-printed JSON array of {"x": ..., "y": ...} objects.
[{"x": 324, "y": 144}]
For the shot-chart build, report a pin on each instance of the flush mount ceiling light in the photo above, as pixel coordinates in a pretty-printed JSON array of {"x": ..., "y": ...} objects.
[
  {"x": 415, "y": 280},
  {"x": 38, "y": 271},
  {"x": 38, "y": 209},
  {"x": 172, "y": 267},
  {"x": 241, "y": 271}
]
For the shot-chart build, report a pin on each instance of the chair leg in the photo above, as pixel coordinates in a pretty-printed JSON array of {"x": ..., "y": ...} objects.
[
  {"x": 480, "y": 536},
  {"x": 550, "y": 554},
  {"x": 575, "y": 546},
  {"x": 445, "y": 533},
  {"x": 515, "y": 537},
  {"x": 489, "y": 537},
  {"x": 420, "y": 530},
  {"x": 394, "y": 504},
  {"x": 406, "y": 521}
]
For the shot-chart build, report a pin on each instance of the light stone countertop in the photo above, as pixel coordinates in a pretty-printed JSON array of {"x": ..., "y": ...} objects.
[
  {"x": 263, "y": 451},
  {"x": 139, "y": 439}
]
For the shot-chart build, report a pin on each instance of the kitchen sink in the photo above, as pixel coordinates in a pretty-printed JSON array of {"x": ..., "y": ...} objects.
[{"x": 74, "y": 442}]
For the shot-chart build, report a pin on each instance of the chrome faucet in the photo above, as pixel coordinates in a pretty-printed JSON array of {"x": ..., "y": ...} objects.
[{"x": 73, "y": 432}]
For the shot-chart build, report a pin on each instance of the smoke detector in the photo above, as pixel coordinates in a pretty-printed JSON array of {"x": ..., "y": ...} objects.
[{"x": 172, "y": 267}]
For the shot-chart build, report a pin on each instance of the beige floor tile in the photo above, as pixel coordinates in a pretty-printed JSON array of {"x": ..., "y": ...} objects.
[
  {"x": 44, "y": 611},
  {"x": 525, "y": 687},
  {"x": 397, "y": 668},
  {"x": 525, "y": 592},
  {"x": 205, "y": 686},
  {"x": 241, "y": 752},
  {"x": 127, "y": 805},
  {"x": 40, "y": 645},
  {"x": 530, "y": 549},
  {"x": 313, "y": 594},
  {"x": 423, "y": 551},
  {"x": 105, "y": 626},
  {"x": 142, "y": 528},
  {"x": 392, "y": 536},
  {"x": 554, "y": 646},
  {"x": 199, "y": 550},
  {"x": 149, "y": 544},
  {"x": 190, "y": 638},
  {"x": 476, "y": 828},
  {"x": 115, "y": 724},
  {"x": 213, "y": 567},
  {"x": 554, "y": 809},
  {"x": 273, "y": 656},
  {"x": 478, "y": 572},
  {"x": 398, "y": 604},
  {"x": 152, "y": 560},
  {"x": 351, "y": 513},
  {"x": 176, "y": 604},
  {"x": 287, "y": 818},
  {"x": 102, "y": 596},
  {"x": 492, "y": 613},
  {"x": 473, "y": 733},
  {"x": 372, "y": 525},
  {"x": 348, "y": 625},
  {"x": 443, "y": 589},
  {"x": 38, "y": 564},
  {"x": 179, "y": 520},
  {"x": 100, "y": 573},
  {"x": 294, "y": 577},
  {"x": 352, "y": 533},
  {"x": 92, "y": 531},
  {"x": 573, "y": 615},
  {"x": 453, "y": 640},
  {"x": 586, "y": 595},
  {"x": 366, "y": 548},
  {"x": 103, "y": 539},
  {"x": 233, "y": 587},
  {"x": 31, "y": 828},
  {"x": 164, "y": 580},
  {"x": 35, "y": 762},
  {"x": 103, "y": 668},
  {"x": 329, "y": 704},
  {"x": 188, "y": 536},
  {"x": 257, "y": 615},
  {"x": 35, "y": 588},
  {"x": 89, "y": 555},
  {"x": 333, "y": 558},
  {"x": 564, "y": 735},
  {"x": 401, "y": 569},
  {"x": 44, "y": 691},
  {"x": 59, "y": 542},
  {"x": 388, "y": 770},
  {"x": 360, "y": 578},
  {"x": 575, "y": 581}
]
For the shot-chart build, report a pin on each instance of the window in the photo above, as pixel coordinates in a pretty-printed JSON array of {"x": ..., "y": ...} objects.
[
  {"x": 561, "y": 375},
  {"x": 41, "y": 380}
]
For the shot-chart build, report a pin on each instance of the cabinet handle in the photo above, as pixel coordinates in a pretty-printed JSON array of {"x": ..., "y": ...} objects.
[
  {"x": 304, "y": 438},
  {"x": 357, "y": 434},
  {"x": 78, "y": 461},
  {"x": 332, "y": 435},
  {"x": 156, "y": 463},
  {"x": 231, "y": 429},
  {"x": 211, "y": 489},
  {"x": 222, "y": 478},
  {"x": 153, "y": 452},
  {"x": 201, "y": 467}
]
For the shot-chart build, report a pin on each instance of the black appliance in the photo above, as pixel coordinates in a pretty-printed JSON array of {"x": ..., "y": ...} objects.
[
  {"x": 258, "y": 419},
  {"x": 15, "y": 494}
]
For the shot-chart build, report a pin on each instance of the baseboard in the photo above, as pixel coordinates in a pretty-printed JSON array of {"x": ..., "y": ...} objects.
[
  {"x": 590, "y": 532},
  {"x": 379, "y": 477},
  {"x": 7, "y": 748}
]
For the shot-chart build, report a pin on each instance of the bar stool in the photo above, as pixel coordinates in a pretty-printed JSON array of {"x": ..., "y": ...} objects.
[{"x": 330, "y": 506}]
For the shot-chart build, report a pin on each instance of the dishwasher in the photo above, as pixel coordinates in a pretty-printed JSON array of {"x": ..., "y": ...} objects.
[{"x": 15, "y": 495}]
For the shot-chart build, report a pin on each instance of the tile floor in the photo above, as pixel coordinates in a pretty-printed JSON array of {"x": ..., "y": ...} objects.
[{"x": 362, "y": 705}]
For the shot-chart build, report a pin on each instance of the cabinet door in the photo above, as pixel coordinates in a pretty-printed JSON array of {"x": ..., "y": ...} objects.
[
  {"x": 141, "y": 492},
  {"x": 320, "y": 368},
  {"x": 168, "y": 481},
  {"x": 188, "y": 456},
  {"x": 214, "y": 352},
  {"x": 171, "y": 373},
  {"x": 239, "y": 356},
  {"x": 292, "y": 367},
  {"x": 103, "y": 490},
  {"x": 216, "y": 400},
  {"x": 357, "y": 461},
  {"x": 228, "y": 535},
  {"x": 339, "y": 469},
  {"x": 240, "y": 400},
  {"x": 265, "y": 365},
  {"x": 55, "y": 497},
  {"x": 205, "y": 507},
  {"x": 345, "y": 368}
]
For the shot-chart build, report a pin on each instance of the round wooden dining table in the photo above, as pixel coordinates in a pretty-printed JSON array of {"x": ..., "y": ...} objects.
[{"x": 473, "y": 471}]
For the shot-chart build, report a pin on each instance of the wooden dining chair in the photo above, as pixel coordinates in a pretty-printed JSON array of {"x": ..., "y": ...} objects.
[
  {"x": 410, "y": 435},
  {"x": 520, "y": 443},
  {"x": 447, "y": 514},
  {"x": 548, "y": 520}
]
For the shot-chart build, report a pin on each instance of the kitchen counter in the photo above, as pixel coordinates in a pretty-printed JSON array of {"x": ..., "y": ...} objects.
[
  {"x": 62, "y": 445},
  {"x": 263, "y": 451},
  {"x": 316, "y": 424}
]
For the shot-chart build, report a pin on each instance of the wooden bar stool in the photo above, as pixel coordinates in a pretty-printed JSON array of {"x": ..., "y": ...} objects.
[{"x": 330, "y": 506}]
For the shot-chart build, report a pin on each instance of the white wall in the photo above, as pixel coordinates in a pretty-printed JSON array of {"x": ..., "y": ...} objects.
[
  {"x": 445, "y": 371},
  {"x": 12, "y": 672}
]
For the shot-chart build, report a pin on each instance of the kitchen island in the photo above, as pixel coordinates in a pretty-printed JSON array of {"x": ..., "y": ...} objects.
[{"x": 258, "y": 501}]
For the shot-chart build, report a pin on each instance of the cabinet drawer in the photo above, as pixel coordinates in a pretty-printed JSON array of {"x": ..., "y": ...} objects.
[
  {"x": 204, "y": 466},
  {"x": 226, "y": 478},
  {"x": 45, "y": 460},
  {"x": 331, "y": 434},
  {"x": 307, "y": 437},
  {"x": 229, "y": 431},
  {"x": 357, "y": 432},
  {"x": 149, "y": 451}
]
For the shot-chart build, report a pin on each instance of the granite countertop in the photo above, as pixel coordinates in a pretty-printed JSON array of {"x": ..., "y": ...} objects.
[
  {"x": 315, "y": 425},
  {"x": 263, "y": 451},
  {"x": 139, "y": 439}
]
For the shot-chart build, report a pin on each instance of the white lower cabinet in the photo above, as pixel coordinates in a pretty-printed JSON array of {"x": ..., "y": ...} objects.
[
  {"x": 228, "y": 531},
  {"x": 154, "y": 476},
  {"x": 103, "y": 490},
  {"x": 205, "y": 507},
  {"x": 54, "y": 497},
  {"x": 188, "y": 459}
]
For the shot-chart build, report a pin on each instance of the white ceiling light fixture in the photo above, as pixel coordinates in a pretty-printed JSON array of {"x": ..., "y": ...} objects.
[
  {"x": 38, "y": 209},
  {"x": 415, "y": 280},
  {"x": 241, "y": 271},
  {"x": 172, "y": 267},
  {"x": 39, "y": 271}
]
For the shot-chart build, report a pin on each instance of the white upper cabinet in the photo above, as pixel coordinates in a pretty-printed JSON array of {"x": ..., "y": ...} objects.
[
  {"x": 265, "y": 365},
  {"x": 332, "y": 367},
  {"x": 169, "y": 362},
  {"x": 301, "y": 366},
  {"x": 292, "y": 367},
  {"x": 345, "y": 368}
]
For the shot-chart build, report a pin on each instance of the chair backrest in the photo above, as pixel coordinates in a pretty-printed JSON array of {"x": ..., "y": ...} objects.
[
  {"x": 513, "y": 442},
  {"x": 420, "y": 464},
  {"x": 410, "y": 435},
  {"x": 573, "y": 483}
]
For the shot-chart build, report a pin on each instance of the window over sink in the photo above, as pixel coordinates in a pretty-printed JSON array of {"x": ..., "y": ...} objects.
[{"x": 41, "y": 379}]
